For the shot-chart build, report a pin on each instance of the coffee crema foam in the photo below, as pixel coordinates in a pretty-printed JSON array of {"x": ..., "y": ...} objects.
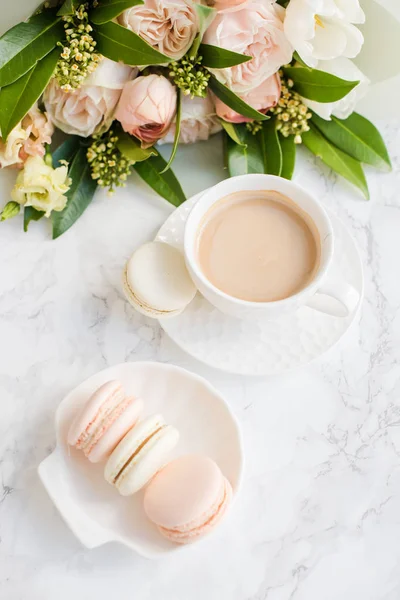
[{"x": 258, "y": 246}]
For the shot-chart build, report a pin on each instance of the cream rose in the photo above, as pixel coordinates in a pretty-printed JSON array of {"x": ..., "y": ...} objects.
[
  {"x": 198, "y": 121},
  {"x": 41, "y": 186},
  {"x": 254, "y": 28},
  {"x": 90, "y": 109},
  {"x": 147, "y": 107},
  {"x": 262, "y": 98},
  {"x": 170, "y": 26}
]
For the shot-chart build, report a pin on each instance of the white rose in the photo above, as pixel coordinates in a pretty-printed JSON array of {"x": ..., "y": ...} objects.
[
  {"x": 345, "y": 69},
  {"x": 41, "y": 186},
  {"x": 90, "y": 109},
  {"x": 198, "y": 121},
  {"x": 324, "y": 29}
]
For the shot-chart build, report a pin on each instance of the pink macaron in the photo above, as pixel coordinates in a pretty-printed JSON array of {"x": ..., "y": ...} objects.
[
  {"x": 187, "y": 498},
  {"x": 104, "y": 420}
]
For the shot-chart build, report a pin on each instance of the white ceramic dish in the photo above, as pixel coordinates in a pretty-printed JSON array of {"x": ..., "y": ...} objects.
[
  {"x": 93, "y": 509},
  {"x": 264, "y": 347}
]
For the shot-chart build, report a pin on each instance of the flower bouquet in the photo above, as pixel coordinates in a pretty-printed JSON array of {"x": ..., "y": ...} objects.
[{"x": 121, "y": 76}]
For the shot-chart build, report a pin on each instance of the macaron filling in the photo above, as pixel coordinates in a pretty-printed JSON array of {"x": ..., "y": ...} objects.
[
  {"x": 195, "y": 529},
  {"x": 135, "y": 454},
  {"x": 105, "y": 409},
  {"x": 105, "y": 424},
  {"x": 141, "y": 303}
]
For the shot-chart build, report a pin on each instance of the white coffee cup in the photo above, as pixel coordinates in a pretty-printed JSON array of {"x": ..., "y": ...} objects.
[{"x": 328, "y": 295}]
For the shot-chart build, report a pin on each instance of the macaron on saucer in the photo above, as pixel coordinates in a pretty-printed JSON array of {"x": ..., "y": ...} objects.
[
  {"x": 156, "y": 281},
  {"x": 92, "y": 508}
]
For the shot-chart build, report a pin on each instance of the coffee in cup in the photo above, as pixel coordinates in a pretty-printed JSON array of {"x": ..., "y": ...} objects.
[{"x": 258, "y": 246}]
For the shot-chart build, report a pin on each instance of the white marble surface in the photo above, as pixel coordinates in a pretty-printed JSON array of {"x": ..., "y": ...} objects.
[{"x": 318, "y": 517}]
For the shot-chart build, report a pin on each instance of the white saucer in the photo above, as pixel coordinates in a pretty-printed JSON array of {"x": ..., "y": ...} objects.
[
  {"x": 92, "y": 508},
  {"x": 267, "y": 348}
]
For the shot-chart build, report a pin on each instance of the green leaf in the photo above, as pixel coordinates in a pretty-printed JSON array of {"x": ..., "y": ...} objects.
[
  {"x": 245, "y": 158},
  {"x": 79, "y": 195},
  {"x": 66, "y": 151},
  {"x": 206, "y": 15},
  {"x": 107, "y": 10},
  {"x": 177, "y": 132},
  {"x": 233, "y": 101},
  {"x": 165, "y": 184},
  {"x": 69, "y": 7},
  {"x": 10, "y": 210},
  {"x": 26, "y": 43},
  {"x": 19, "y": 97},
  {"x": 233, "y": 132},
  {"x": 131, "y": 148},
  {"x": 31, "y": 214},
  {"x": 297, "y": 58},
  {"x": 356, "y": 136},
  {"x": 271, "y": 148},
  {"x": 288, "y": 148},
  {"x": 219, "y": 58},
  {"x": 318, "y": 85},
  {"x": 336, "y": 159},
  {"x": 121, "y": 44}
]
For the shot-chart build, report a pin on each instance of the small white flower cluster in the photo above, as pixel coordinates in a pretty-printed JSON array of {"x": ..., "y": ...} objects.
[{"x": 78, "y": 58}]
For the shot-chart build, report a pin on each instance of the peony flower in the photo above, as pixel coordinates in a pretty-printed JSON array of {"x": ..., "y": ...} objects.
[
  {"x": 254, "y": 28},
  {"x": 41, "y": 186},
  {"x": 90, "y": 109},
  {"x": 147, "y": 107},
  {"x": 324, "y": 29},
  {"x": 198, "y": 121},
  {"x": 262, "y": 98},
  {"x": 170, "y": 26},
  {"x": 26, "y": 139},
  {"x": 345, "y": 69}
]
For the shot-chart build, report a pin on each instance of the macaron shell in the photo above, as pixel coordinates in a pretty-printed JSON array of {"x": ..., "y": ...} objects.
[
  {"x": 151, "y": 458},
  {"x": 184, "y": 492},
  {"x": 157, "y": 277},
  {"x": 109, "y": 395},
  {"x": 196, "y": 531},
  {"x": 118, "y": 425}
]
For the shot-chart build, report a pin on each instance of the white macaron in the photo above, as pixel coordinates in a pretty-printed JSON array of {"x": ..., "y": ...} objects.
[
  {"x": 156, "y": 281},
  {"x": 140, "y": 455}
]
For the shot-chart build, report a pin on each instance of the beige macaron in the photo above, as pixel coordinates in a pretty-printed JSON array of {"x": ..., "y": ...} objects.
[
  {"x": 140, "y": 455},
  {"x": 156, "y": 281}
]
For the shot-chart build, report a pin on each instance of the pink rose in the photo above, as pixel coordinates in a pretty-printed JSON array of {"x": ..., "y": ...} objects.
[
  {"x": 254, "y": 28},
  {"x": 147, "y": 107},
  {"x": 90, "y": 109},
  {"x": 262, "y": 98},
  {"x": 170, "y": 26},
  {"x": 198, "y": 121},
  {"x": 224, "y": 4}
]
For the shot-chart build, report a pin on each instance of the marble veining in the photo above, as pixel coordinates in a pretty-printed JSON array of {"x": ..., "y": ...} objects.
[{"x": 319, "y": 514}]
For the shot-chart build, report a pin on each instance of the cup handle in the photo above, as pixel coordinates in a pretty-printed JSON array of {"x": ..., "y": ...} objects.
[{"x": 335, "y": 297}]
